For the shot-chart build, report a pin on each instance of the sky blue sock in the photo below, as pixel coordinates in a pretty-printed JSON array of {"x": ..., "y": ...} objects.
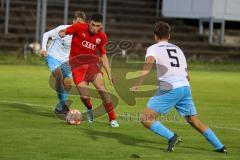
[
  {"x": 61, "y": 99},
  {"x": 66, "y": 95},
  {"x": 158, "y": 128},
  {"x": 212, "y": 138},
  {"x": 59, "y": 106}
]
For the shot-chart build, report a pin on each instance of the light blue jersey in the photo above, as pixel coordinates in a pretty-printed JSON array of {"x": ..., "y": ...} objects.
[
  {"x": 174, "y": 88},
  {"x": 59, "y": 48},
  {"x": 170, "y": 63}
]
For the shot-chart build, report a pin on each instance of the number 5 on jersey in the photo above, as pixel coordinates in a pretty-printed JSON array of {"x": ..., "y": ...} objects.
[{"x": 171, "y": 55}]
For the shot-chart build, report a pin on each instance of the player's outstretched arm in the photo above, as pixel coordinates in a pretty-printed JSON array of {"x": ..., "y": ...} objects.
[
  {"x": 50, "y": 34},
  {"x": 72, "y": 29},
  {"x": 107, "y": 68},
  {"x": 146, "y": 69},
  {"x": 62, "y": 33},
  {"x": 46, "y": 36}
]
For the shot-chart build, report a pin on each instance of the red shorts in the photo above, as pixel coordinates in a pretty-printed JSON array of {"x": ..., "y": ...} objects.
[{"x": 86, "y": 72}]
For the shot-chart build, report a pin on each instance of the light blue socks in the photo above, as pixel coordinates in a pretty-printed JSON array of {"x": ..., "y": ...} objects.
[
  {"x": 158, "y": 128},
  {"x": 212, "y": 138},
  {"x": 62, "y": 97}
]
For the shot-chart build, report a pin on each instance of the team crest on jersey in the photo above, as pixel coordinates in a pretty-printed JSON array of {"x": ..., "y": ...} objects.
[{"x": 98, "y": 41}]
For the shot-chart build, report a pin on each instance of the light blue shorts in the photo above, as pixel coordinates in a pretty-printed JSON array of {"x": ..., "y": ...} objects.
[
  {"x": 180, "y": 98},
  {"x": 53, "y": 64}
]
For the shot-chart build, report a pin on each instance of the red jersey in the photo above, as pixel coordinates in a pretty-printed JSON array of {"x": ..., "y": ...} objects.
[{"x": 84, "y": 45}]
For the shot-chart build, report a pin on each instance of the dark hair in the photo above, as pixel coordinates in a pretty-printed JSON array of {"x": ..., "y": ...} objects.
[
  {"x": 96, "y": 17},
  {"x": 79, "y": 15},
  {"x": 162, "y": 29}
]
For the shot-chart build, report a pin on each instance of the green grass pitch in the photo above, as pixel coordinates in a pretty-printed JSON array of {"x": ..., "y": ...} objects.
[{"x": 30, "y": 131}]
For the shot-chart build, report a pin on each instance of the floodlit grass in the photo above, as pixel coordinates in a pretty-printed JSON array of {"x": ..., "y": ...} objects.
[{"x": 30, "y": 130}]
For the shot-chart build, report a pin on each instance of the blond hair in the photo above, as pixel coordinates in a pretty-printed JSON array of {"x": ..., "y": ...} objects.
[{"x": 79, "y": 16}]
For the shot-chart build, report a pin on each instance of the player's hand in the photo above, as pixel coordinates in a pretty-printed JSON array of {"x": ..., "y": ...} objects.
[
  {"x": 43, "y": 53},
  {"x": 135, "y": 88},
  {"x": 111, "y": 80},
  {"x": 62, "y": 33}
]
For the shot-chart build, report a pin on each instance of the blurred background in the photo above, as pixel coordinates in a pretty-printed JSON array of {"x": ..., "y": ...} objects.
[{"x": 206, "y": 30}]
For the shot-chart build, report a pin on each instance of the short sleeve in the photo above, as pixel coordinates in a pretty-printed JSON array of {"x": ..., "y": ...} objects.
[
  {"x": 185, "y": 63},
  {"x": 151, "y": 52},
  {"x": 75, "y": 28},
  {"x": 71, "y": 29},
  {"x": 59, "y": 28},
  {"x": 50, "y": 34}
]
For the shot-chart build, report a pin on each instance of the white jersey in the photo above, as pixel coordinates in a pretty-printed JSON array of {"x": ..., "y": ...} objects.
[
  {"x": 59, "y": 47},
  {"x": 171, "y": 65}
]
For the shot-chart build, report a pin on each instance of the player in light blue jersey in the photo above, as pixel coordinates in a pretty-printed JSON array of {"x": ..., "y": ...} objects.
[
  {"x": 174, "y": 90},
  {"x": 57, "y": 57}
]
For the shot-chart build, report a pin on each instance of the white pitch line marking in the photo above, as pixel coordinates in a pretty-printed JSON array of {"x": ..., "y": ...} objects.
[{"x": 39, "y": 105}]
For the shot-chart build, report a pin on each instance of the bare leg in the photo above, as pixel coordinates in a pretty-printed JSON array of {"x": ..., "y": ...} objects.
[
  {"x": 85, "y": 98},
  {"x": 67, "y": 83},
  {"x": 149, "y": 120},
  {"x": 195, "y": 122},
  {"x": 148, "y": 117},
  {"x": 84, "y": 94},
  {"x": 100, "y": 86},
  {"x": 59, "y": 80},
  {"x": 107, "y": 102},
  {"x": 59, "y": 87}
]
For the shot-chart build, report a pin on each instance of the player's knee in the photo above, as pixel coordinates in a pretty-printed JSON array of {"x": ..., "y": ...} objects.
[
  {"x": 101, "y": 88},
  {"x": 147, "y": 119},
  {"x": 67, "y": 87},
  {"x": 188, "y": 119},
  {"x": 196, "y": 123},
  {"x": 143, "y": 120},
  {"x": 193, "y": 120}
]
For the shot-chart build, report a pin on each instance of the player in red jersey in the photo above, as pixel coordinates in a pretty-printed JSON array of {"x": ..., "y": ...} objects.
[{"x": 87, "y": 55}]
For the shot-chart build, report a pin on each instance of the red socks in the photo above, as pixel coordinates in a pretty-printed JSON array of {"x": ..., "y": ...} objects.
[
  {"x": 108, "y": 107},
  {"x": 110, "y": 110},
  {"x": 87, "y": 102}
]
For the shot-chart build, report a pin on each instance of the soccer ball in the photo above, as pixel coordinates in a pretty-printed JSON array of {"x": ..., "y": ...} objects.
[
  {"x": 74, "y": 117},
  {"x": 35, "y": 46}
]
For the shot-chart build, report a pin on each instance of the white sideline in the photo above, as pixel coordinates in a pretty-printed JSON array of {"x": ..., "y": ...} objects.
[
  {"x": 37, "y": 105},
  {"x": 213, "y": 126}
]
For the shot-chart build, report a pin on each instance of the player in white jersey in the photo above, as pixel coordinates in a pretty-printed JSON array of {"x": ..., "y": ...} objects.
[
  {"x": 174, "y": 90},
  {"x": 57, "y": 57}
]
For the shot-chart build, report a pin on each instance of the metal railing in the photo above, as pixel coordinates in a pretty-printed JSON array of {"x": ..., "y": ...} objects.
[
  {"x": 41, "y": 12},
  {"x": 157, "y": 8},
  {"x": 2, "y": 4},
  {"x": 7, "y": 16},
  {"x": 66, "y": 11}
]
